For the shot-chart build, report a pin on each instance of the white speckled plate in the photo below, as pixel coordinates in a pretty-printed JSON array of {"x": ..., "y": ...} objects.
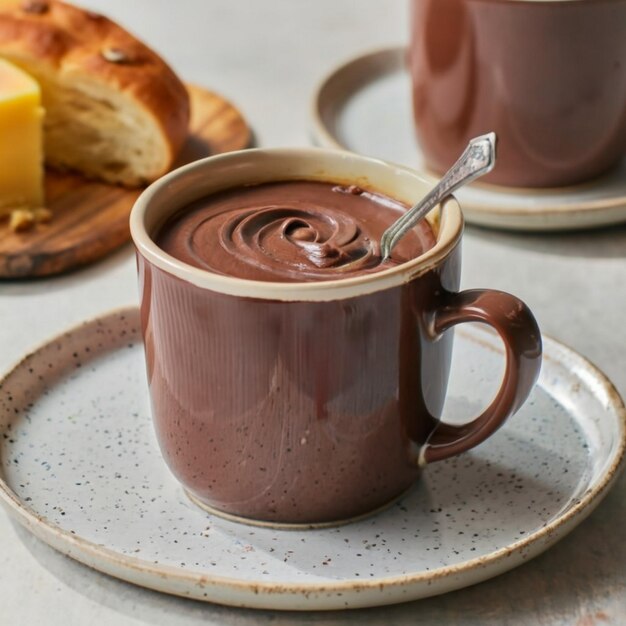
[
  {"x": 80, "y": 468},
  {"x": 365, "y": 106}
]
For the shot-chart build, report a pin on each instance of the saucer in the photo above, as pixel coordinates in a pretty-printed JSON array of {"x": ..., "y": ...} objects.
[
  {"x": 365, "y": 106},
  {"x": 81, "y": 469}
]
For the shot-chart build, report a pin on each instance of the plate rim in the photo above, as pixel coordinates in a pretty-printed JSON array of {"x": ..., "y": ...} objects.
[
  {"x": 566, "y": 520},
  {"x": 393, "y": 55}
]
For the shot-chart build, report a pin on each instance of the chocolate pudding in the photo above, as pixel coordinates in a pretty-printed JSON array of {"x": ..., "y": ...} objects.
[{"x": 294, "y": 231}]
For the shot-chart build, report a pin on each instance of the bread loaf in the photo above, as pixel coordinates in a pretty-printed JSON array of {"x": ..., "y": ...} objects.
[{"x": 114, "y": 109}]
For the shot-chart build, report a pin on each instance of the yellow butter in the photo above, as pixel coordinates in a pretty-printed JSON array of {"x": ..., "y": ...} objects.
[{"x": 21, "y": 140}]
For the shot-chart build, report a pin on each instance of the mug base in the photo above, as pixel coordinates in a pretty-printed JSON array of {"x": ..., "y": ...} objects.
[{"x": 292, "y": 525}]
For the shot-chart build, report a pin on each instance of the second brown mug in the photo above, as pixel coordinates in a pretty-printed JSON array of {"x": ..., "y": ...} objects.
[{"x": 549, "y": 76}]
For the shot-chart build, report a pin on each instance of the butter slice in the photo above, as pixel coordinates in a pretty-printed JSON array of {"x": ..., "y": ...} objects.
[{"x": 21, "y": 140}]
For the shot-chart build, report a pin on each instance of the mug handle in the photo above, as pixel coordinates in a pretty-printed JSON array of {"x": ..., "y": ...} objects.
[{"x": 517, "y": 327}]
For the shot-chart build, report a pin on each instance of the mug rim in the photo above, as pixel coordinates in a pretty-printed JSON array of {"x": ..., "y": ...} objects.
[{"x": 320, "y": 163}]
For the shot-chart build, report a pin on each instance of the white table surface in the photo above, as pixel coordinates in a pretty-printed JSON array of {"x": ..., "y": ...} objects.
[{"x": 267, "y": 55}]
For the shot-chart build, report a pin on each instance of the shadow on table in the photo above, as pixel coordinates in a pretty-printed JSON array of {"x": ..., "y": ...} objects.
[
  {"x": 598, "y": 243},
  {"x": 574, "y": 583}
]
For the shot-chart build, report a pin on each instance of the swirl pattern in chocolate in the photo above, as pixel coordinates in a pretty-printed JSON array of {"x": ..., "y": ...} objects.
[{"x": 293, "y": 231}]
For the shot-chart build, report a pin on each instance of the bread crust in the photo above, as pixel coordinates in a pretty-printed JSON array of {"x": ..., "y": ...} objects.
[{"x": 68, "y": 39}]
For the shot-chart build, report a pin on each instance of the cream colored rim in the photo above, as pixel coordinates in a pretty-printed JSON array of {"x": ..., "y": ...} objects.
[
  {"x": 363, "y": 68},
  {"x": 92, "y": 553},
  {"x": 203, "y": 177}
]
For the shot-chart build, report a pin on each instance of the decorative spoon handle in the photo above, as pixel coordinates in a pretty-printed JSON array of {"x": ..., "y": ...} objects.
[{"x": 477, "y": 160}]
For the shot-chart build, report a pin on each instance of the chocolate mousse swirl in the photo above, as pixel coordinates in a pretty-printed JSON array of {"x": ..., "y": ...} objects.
[
  {"x": 294, "y": 240},
  {"x": 285, "y": 232}
]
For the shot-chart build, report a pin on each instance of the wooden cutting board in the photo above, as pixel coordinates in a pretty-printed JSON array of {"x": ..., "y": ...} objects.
[{"x": 91, "y": 218}]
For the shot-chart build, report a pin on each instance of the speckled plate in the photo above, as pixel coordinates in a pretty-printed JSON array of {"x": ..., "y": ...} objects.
[
  {"x": 365, "y": 106},
  {"x": 81, "y": 469}
]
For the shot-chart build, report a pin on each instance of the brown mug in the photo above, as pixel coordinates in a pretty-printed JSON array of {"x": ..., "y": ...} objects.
[
  {"x": 309, "y": 403},
  {"x": 548, "y": 76}
]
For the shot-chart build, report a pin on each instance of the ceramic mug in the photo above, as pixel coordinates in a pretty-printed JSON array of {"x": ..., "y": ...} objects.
[
  {"x": 549, "y": 76},
  {"x": 308, "y": 403}
]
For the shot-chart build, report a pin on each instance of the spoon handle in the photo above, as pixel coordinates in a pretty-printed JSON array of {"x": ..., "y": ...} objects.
[{"x": 477, "y": 160}]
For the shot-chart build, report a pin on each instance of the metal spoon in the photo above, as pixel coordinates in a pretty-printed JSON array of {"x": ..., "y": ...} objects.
[{"x": 478, "y": 159}]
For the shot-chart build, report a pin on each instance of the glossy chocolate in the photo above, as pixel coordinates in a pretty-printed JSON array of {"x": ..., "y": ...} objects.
[
  {"x": 290, "y": 232},
  {"x": 548, "y": 76}
]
